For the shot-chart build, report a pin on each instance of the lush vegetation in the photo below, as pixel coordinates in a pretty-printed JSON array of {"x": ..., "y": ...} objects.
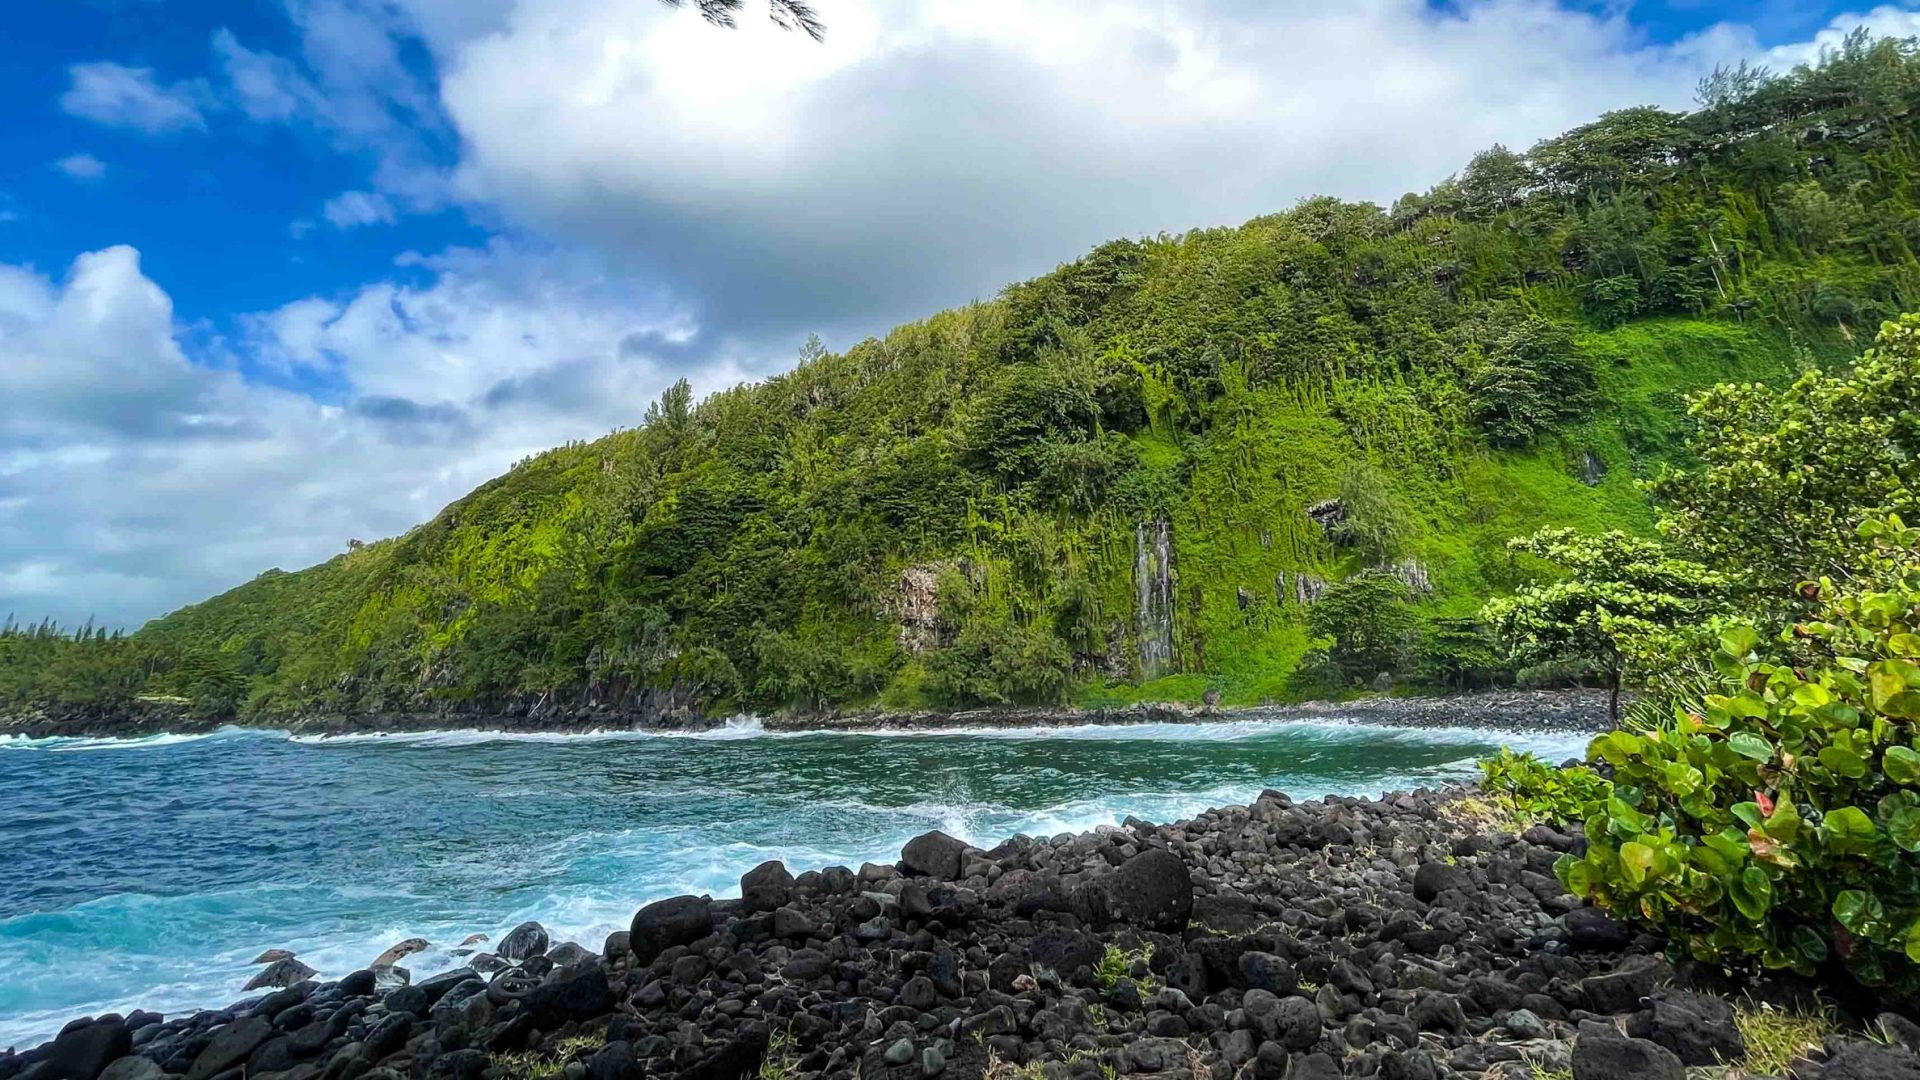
[
  {"x": 1338, "y": 416},
  {"x": 1764, "y": 802}
]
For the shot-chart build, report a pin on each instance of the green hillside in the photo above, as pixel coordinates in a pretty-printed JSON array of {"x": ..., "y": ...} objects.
[{"x": 1271, "y": 461}]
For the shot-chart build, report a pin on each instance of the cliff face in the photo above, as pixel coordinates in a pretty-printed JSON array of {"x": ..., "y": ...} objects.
[{"x": 1139, "y": 476}]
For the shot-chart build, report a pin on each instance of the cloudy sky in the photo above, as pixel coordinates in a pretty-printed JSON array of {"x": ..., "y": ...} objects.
[{"x": 275, "y": 274}]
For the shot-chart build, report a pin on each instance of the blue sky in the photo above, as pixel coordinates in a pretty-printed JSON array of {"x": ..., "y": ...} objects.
[{"x": 275, "y": 274}]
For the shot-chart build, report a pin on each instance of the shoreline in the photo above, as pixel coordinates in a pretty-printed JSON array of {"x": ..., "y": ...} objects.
[
  {"x": 1397, "y": 937},
  {"x": 1524, "y": 710}
]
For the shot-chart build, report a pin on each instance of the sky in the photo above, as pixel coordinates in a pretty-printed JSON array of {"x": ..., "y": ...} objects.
[{"x": 280, "y": 274}]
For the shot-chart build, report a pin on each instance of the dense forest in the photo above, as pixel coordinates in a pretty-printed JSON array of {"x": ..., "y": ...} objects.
[{"x": 1267, "y": 462}]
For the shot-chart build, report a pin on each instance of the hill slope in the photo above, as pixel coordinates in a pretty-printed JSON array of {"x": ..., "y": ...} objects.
[{"x": 1269, "y": 461}]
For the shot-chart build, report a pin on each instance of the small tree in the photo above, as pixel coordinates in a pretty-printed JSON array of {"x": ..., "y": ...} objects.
[
  {"x": 1618, "y": 595},
  {"x": 1370, "y": 621}
]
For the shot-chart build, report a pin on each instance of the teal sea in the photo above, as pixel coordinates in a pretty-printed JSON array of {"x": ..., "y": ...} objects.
[{"x": 150, "y": 872}]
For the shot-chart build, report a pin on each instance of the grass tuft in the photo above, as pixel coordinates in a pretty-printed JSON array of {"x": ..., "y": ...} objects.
[
  {"x": 545, "y": 1064},
  {"x": 1775, "y": 1037}
]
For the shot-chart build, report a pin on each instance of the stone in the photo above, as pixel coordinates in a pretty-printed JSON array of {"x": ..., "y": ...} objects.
[
  {"x": 767, "y": 886},
  {"x": 663, "y": 924},
  {"x": 1622, "y": 989},
  {"x": 934, "y": 854},
  {"x": 1598, "y": 1056},
  {"x": 791, "y": 922},
  {"x": 615, "y": 1061},
  {"x": 132, "y": 1067},
  {"x": 230, "y": 1046},
  {"x": 1436, "y": 1011},
  {"x": 617, "y": 944},
  {"x": 82, "y": 1051},
  {"x": 358, "y": 984},
  {"x": 1525, "y": 1024},
  {"x": 523, "y": 942},
  {"x": 400, "y": 952},
  {"x": 1434, "y": 878},
  {"x": 575, "y": 993},
  {"x": 1153, "y": 890},
  {"x": 272, "y": 956},
  {"x": 1591, "y": 928},
  {"x": 932, "y": 1061},
  {"x": 1297, "y": 1023},
  {"x": 283, "y": 972},
  {"x": 1863, "y": 1059},
  {"x": 567, "y": 954},
  {"x": 1265, "y": 971},
  {"x": 1698, "y": 1028},
  {"x": 1314, "y": 1067},
  {"x": 899, "y": 1053},
  {"x": 919, "y": 994}
]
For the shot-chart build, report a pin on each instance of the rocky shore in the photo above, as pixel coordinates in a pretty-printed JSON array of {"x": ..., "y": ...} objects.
[
  {"x": 1407, "y": 938},
  {"x": 1508, "y": 709}
]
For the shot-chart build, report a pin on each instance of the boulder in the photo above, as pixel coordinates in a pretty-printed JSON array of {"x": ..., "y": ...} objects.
[
  {"x": 1591, "y": 928},
  {"x": 1600, "y": 1056},
  {"x": 285, "y": 971},
  {"x": 133, "y": 1067},
  {"x": 934, "y": 854},
  {"x": 767, "y": 886},
  {"x": 1434, "y": 878},
  {"x": 83, "y": 1051},
  {"x": 273, "y": 956},
  {"x": 580, "y": 992},
  {"x": 567, "y": 954},
  {"x": 400, "y": 952},
  {"x": 679, "y": 920},
  {"x": 230, "y": 1046},
  {"x": 1622, "y": 989},
  {"x": 1698, "y": 1028},
  {"x": 1864, "y": 1059},
  {"x": 523, "y": 942},
  {"x": 1153, "y": 890}
]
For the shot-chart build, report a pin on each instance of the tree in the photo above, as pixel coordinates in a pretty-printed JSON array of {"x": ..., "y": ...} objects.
[
  {"x": 1617, "y": 594},
  {"x": 1786, "y": 477},
  {"x": 786, "y": 14},
  {"x": 1370, "y": 620}
]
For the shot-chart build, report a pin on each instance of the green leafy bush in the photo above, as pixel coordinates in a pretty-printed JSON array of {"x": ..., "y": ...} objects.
[
  {"x": 1544, "y": 792},
  {"x": 1778, "y": 816}
]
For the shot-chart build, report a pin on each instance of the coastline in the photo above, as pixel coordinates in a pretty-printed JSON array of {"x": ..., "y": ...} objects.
[
  {"x": 1404, "y": 937},
  {"x": 1529, "y": 710}
]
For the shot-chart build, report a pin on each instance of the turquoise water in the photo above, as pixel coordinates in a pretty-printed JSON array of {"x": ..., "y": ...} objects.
[{"x": 149, "y": 872}]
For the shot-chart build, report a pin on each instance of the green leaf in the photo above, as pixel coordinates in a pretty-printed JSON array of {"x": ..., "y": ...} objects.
[
  {"x": 1749, "y": 812},
  {"x": 1904, "y": 828},
  {"x": 1904, "y": 645},
  {"x": 1913, "y": 942},
  {"x": 1843, "y": 761},
  {"x": 1738, "y": 641},
  {"x": 1848, "y": 830},
  {"x": 1784, "y": 823},
  {"x": 1902, "y": 765},
  {"x": 1858, "y": 910},
  {"x": 1752, "y": 893},
  {"x": 1808, "y": 942},
  {"x": 1636, "y": 861},
  {"x": 1747, "y": 744}
]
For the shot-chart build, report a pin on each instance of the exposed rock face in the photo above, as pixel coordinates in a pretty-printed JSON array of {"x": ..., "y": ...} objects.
[
  {"x": 1308, "y": 588},
  {"x": 919, "y": 608},
  {"x": 1153, "y": 597},
  {"x": 1298, "y": 941},
  {"x": 1328, "y": 514},
  {"x": 1413, "y": 574}
]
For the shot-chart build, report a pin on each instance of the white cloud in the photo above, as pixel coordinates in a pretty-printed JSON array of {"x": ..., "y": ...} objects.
[
  {"x": 136, "y": 480},
  {"x": 82, "y": 166},
  {"x": 931, "y": 150},
  {"x": 110, "y": 93},
  {"x": 351, "y": 209}
]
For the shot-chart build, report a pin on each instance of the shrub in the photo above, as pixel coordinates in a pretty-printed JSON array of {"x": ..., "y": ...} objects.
[
  {"x": 1778, "y": 816},
  {"x": 1544, "y": 792}
]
